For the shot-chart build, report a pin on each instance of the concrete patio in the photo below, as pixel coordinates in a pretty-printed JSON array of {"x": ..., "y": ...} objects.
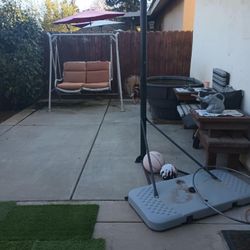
[{"x": 85, "y": 153}]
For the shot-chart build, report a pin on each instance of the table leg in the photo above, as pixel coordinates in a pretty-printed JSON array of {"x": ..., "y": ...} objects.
[
  {"x": 233, "y": 161},
  {"x": 210, "y": 159},
  {"x": 196, "y": 139}
]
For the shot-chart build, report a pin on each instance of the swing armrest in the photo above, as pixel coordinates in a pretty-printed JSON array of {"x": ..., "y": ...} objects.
[{"x": 58, "y": 81}]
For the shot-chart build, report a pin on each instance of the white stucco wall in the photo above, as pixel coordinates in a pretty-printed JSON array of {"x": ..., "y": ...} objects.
[
  {"x": 222, "y": 39},
  {"x": 173, "y": 18}
]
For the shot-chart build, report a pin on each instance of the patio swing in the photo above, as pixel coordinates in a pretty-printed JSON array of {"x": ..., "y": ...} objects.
[{"x": 80, "y": 76}]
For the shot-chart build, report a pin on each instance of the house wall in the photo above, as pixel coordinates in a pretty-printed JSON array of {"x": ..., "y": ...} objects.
[
  {"x": 221, "y": 39},
  {"x": 172, "y": 16},
  {"x": 188, "y": 15}
]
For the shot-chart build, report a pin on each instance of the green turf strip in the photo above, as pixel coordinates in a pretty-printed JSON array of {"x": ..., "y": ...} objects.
[
  {"x": 70, "y": 245},
  {"x": 49, "y": 222},
  {"x": 5, "y": 208},
  {"x": 97, "y": 244},
  {"x": 16, "y": 245}
]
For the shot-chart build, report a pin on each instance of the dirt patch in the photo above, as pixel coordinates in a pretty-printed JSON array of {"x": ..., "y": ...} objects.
[{"x": 4, "y": 115}]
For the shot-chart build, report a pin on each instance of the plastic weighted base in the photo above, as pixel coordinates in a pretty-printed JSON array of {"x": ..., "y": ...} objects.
[{"x": 178, "y": 203}]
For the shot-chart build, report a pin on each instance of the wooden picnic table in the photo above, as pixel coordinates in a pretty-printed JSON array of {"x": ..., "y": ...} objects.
[
  {"x": 223, "y": 134},
  {"x": 215, "y": 124}
]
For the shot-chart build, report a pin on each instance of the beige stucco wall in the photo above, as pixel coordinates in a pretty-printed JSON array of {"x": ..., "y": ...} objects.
[
  {"x": 172, "y": 17},
  {"x": 178, "y": 15},
  {"x": 188, "y": 15},
  {"x": 222, "y": 39}
]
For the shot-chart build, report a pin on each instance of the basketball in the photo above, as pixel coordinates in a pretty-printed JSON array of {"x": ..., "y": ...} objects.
[
  {"x": 157, "y": 161},
  {"x": 168, "y": 171}
]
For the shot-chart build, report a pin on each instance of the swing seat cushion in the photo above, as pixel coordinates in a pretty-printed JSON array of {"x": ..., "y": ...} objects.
[
  {"x": 98, "y": 75},
  {"x": 70, "y": 85},
  {"x": 74, "y": 76},
  {"x": 97, "y": 85},
  {"x": 89, "y": 75}
]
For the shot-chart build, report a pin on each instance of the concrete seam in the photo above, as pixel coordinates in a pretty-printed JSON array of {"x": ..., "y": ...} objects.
[
  {"x": 11, "y": 127},
  {"x": 90, "y": 150},
  {"x": 69, "y": 201},
  {"x": 119, "y": 222}
]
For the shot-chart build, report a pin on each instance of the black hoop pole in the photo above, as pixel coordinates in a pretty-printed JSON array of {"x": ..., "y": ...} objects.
[
  {"x": 156, "y": 195},
  {"x": 143, "y": 77}
]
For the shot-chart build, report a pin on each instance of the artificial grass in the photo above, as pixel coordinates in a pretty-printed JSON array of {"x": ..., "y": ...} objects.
[
  {"x": 48, "y": 227},
  {"x": 49, "y": 222},
  {"x": 97, "y": 244},
  {"x": 16, "y": 245},
  {"x": 5, "y": 207}
]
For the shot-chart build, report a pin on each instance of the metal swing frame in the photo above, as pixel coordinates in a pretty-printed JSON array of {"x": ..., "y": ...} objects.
[{"x": 54, "y": 63}]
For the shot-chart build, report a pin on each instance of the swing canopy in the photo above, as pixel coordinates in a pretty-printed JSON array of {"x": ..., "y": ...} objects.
[{"x": 89, "y": 16}]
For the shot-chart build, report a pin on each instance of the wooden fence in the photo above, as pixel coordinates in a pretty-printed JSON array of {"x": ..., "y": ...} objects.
[{"x": 169, "y": 53}]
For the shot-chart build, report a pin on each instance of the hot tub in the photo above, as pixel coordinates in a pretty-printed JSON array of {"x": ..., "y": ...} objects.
[{"x": 161, "y": 97}]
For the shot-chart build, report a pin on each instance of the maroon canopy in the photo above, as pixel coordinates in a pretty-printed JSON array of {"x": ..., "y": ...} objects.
[{"x": 88, "y": 16}]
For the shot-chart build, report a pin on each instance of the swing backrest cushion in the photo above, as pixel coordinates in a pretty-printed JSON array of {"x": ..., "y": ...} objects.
[
  {"x": 75, "y": 72},
  {"x": 98, "y": 74}
]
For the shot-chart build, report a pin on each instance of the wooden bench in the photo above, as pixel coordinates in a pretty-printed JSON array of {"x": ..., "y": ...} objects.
[
  {"x": 184, "y": 110},
  {"x": 231, "y": 144}
]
